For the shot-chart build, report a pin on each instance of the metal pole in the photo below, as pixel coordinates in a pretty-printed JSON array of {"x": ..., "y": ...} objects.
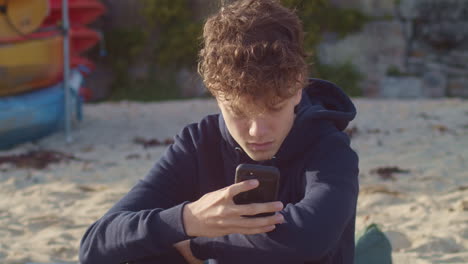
[{"x": 66, "y": 69}]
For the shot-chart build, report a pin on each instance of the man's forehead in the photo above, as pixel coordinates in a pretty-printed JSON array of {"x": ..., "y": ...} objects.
[{"x": 251, "y": 105}]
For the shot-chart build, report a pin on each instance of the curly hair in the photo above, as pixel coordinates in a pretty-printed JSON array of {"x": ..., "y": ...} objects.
[{"x": 253, "y": 49}]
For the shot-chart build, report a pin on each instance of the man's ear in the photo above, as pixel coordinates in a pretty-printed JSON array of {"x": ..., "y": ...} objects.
[
  {"x": 298, "y": 97},
  {"x": 218, "y": 100},
  {"x": 297, "y": 100}
]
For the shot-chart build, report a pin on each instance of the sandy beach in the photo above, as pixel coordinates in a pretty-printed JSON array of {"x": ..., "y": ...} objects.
[{"x": 413, "y": 176}]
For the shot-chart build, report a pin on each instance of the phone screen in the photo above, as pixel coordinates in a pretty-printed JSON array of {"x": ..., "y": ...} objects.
[{"x": 267, "y": 190}]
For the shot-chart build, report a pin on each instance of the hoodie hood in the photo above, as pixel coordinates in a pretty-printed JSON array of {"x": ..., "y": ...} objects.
[{"x": 324, "y": 109}]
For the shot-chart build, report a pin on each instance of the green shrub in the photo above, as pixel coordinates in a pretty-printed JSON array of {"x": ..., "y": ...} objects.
[
  {"x": 175, "y": 32},
  {"x": 320, "y": 16},
  {"x": 122, "y": 44},
  {"x": 175, "y": 46},
  {"x": 393, "y": 70},
  {"x": 178, "y": 32},
  {"x": 344, "y": 75}
]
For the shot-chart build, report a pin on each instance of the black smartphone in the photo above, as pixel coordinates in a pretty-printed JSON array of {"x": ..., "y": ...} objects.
[{"x": 267, "y": 190}]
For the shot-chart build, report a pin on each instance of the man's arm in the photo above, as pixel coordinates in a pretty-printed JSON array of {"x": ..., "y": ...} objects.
[
  {"x": 148, "y": 221},
  {"x": 312, "y": 226}
]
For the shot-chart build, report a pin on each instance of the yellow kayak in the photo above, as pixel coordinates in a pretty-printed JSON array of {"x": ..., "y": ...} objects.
[
  {"x": 21, "y": 17},
  {"x": 30, "y": 65}
]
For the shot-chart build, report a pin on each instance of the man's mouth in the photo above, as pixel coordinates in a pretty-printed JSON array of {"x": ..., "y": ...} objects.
[{"x": 260, "y": 146}]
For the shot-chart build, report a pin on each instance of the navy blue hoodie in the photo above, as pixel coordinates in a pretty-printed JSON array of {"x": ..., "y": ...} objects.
[{"x": 318, "y": 186}]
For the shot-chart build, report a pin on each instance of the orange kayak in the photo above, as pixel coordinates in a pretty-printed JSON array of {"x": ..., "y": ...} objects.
[{"x": 81, "y": 12}]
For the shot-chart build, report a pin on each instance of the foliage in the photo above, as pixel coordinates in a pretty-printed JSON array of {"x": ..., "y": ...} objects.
[
  {"x": 395, "y": 71},
  {"x": 123, "y": 44},
  {"x": 321, "y": 16},
  {"x": 172, "y": 33},
  {"x": 160, "y": 86},
  {"x": 178, "y": 31},
  {"x": 344, "y": 75},
  {"x": 169, "y": 42}
]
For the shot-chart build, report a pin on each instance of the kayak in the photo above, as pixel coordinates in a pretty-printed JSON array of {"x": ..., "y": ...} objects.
[
  {"x": 29, "y": 65},
  {"x": 81, "y": 38},
  {"x": 33, "y": 115},
  {"x": 81, "y": 12},
  {"x": 34, "y": 64},
  {"x": 18, "y": 18},
  {"x": 21, "y": 17}
]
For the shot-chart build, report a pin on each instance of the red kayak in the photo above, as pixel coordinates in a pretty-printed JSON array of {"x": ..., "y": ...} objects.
[
  {"x": 82, "y": 38},
  {"x": 81, "y": 12}
]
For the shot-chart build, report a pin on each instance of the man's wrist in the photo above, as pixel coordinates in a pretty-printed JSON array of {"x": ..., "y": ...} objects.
[{"x": 188, "y": 220}]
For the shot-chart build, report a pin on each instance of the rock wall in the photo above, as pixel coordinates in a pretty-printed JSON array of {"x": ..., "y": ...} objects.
[
  {"x": 369, "y": 7},
  {"x": 372, "y": 51},
  {"x": 426, "y": 42},
  {"x": 437, "y": 38}
]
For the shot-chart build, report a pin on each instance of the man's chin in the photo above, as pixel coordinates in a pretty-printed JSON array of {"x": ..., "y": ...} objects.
[{"x": 260, "y": 156}]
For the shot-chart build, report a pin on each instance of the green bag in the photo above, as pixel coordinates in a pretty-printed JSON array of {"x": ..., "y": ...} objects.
[{"x": 372, "y": 247}]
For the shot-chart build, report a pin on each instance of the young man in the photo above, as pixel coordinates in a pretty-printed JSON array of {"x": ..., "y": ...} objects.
[{"x": 254, "y": 64}]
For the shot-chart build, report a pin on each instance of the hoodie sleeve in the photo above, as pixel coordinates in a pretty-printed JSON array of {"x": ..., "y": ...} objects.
[
  {"x": 313, "y": 226},
  {"x": 147, "y": 221}
]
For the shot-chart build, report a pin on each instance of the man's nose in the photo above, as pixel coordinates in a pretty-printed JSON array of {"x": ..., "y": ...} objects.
[{"x": 258, "y": 128}]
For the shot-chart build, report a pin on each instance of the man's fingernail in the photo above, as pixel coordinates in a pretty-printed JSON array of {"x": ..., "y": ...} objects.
[
  {"x": 253, "y": 182},
  {"x": 279, "y": 205}
]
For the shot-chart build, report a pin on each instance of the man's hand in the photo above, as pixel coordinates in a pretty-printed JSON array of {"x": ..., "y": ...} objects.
[
  {"x": 215, "y": 213},
  {"x": 184, "y": 248}
]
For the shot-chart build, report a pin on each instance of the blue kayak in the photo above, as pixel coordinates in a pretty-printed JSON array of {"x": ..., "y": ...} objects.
[{"x": 31, "y": 116}]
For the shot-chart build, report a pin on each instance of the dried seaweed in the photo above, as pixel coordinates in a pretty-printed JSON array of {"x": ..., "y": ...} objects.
[
  {"x": 37, "y": 159},
  {"x": 147, "y": 143},
  {"x": 386, "y": 173},
  {"x": 379, "y": 189}
]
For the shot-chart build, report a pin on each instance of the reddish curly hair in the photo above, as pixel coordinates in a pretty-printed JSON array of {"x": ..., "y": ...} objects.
[{"x": 253, "y": 49}]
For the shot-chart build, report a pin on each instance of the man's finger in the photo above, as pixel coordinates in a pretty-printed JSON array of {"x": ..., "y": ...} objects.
[
  {"x": 257, "y": 222},
  {"x": 244, "y": 186},
  {"x": 258, "y": 208}
]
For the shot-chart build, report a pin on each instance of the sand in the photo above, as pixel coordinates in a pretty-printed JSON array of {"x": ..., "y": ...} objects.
[{"x": 424, "y": 211}]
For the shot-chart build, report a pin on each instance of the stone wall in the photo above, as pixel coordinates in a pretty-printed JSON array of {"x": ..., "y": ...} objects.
[
  {"x": 437, "y": 37},
  {"x": 426, "y": 44},
  {"x": 424, "y": 41},
  {"x": 369, "y": 7},
  {"x": 372, "y": 51}
]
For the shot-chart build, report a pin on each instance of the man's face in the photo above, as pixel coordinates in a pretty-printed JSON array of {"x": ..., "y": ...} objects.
[{"x": 260, "y": 132}]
